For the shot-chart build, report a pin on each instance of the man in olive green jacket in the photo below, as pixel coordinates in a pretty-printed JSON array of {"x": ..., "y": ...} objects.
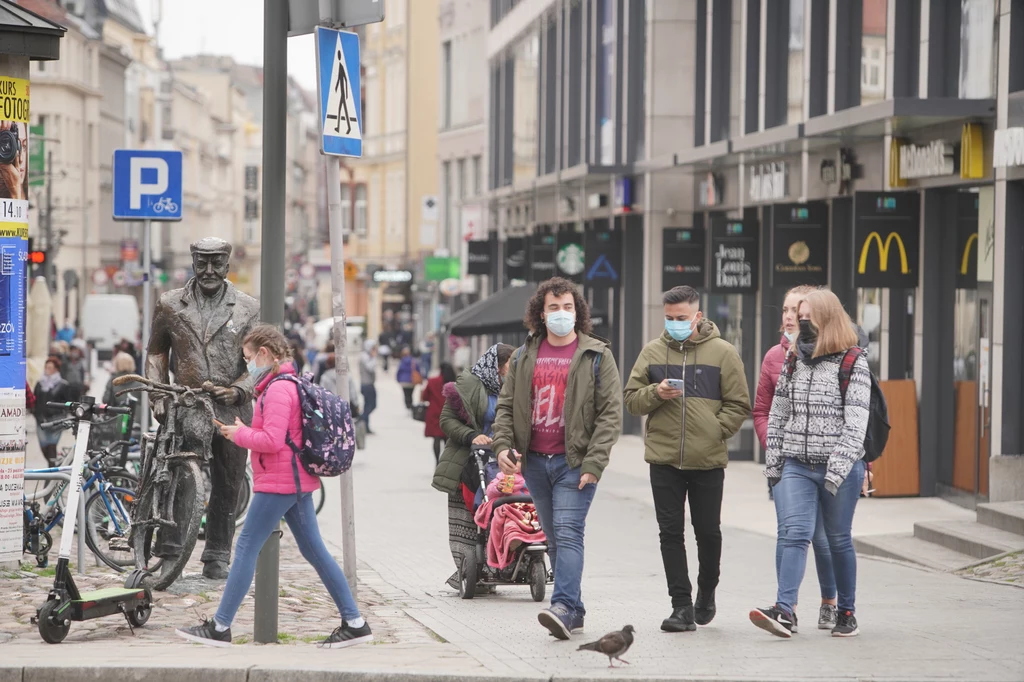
[
  {"x": 690, "y": 384},
  {"x": 559, "y": 414}
]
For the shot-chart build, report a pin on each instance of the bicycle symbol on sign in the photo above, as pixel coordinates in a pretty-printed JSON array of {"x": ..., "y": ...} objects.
[{"x": 165, "y": 204}]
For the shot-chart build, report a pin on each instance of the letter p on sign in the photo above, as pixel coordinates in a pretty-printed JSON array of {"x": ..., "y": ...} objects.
[{"x": 140, "y": 188}]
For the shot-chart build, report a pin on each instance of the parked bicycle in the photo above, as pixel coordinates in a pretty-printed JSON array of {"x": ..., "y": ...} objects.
[{"x": 170, "y": 499}]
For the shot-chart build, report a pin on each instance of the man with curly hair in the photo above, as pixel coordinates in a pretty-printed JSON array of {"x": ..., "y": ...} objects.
[{"x": 559, "y": 414}]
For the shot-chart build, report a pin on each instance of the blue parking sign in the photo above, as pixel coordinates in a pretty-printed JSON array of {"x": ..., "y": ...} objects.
[{"x": 147, "y": 184}]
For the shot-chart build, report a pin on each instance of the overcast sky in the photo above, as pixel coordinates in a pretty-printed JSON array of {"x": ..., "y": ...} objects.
[{"x": 231, "y": 27}]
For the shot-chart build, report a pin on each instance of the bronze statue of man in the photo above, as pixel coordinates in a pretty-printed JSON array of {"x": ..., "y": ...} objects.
[{"x": 202, "y": 327}]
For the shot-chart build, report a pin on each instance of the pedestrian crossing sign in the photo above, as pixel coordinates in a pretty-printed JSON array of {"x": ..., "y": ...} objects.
[{"x": 337, "y": 85}]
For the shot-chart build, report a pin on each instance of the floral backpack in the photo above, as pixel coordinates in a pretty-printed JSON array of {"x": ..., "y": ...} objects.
[{"x": 328, "y": 435}]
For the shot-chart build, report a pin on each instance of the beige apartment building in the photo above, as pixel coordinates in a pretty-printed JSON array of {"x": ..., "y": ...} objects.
[{"x": 391, "y": 193}]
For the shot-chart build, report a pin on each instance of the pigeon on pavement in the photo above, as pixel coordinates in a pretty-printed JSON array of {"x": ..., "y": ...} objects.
[{"x": 613, "y": 645}]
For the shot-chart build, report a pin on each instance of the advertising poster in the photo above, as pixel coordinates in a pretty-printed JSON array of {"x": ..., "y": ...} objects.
[
  {"x": 734, "y": 256},
  {"x": 14, "y": 176},
  {"x": 800, "y": 244}
]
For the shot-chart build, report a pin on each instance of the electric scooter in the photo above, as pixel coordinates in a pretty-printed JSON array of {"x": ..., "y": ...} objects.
[{"x": 65, "y": 603}]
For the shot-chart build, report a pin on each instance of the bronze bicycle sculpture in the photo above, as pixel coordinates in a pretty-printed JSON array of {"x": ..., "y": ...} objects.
[{"x": 170, "y": 500}]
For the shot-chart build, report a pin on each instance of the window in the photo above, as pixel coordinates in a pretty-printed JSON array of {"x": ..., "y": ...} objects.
[
  {"x": 361, "y": 211},
  {"x": 375, "y": 214},
  {"x": 478, "y": 179},
  {"x": 606, "y": 84},
  {"x": 872, "y": 66},
  {"x": 446, "y": 85},
  {"x": 795, "y": 68},
  {"x": 978, "y": 40},
  {"x": 446, "y": 198},
  {"x": 463, "y": 190},
  {"x": 524, "y": 98},
  {"x": 346, "y": 209}
]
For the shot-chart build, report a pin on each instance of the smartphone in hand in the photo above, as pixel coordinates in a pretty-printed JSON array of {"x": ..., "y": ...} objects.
[
  {"x": 676, "y": 384},
  {"x": 514, "y": 456}
]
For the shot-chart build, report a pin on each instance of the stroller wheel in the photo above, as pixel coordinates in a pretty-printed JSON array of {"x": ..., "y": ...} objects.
[
  {"x": 538, "y": 580},
  {"x": 467, "y": 578}
]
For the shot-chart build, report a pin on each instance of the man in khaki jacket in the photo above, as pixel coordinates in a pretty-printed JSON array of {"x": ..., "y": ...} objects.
[
  {"x": 690, "y": 384},
  {"x": 559, "y": 414}
]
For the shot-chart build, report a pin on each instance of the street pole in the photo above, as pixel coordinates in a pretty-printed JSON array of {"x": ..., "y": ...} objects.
[
  {"x": 335, "y": 226},
  {"x": 272, "y": 256},
  {"x": 51, "y": 254},
  {"x": 147, "y": 315}
]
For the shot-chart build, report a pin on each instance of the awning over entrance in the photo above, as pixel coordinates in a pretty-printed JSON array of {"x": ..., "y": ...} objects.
[{"x": 500, "y": 313}]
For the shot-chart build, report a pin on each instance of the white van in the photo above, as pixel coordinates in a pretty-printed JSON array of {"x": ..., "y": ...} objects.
[{"x": 108, "y": 318}]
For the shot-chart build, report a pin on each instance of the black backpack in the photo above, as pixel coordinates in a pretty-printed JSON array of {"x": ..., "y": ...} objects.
[{"x": 877, "y": 433}]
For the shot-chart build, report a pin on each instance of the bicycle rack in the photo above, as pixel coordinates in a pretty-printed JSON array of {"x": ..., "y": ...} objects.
[{"x": 58, "y": 476}]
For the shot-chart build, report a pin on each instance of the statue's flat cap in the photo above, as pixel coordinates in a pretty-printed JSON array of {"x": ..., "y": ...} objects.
[{"x": 211, "y": 245}]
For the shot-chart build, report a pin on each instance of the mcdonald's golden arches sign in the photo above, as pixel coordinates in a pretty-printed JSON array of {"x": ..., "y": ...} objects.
[{"x": 886, "y": 239}]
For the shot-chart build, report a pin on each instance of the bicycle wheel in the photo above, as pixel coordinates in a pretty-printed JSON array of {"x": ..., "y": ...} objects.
[
  {"x": 108, "y": 525},
  {"x": 187, "y": 483},
  {"x": 320, "y": 496},
  {"x": 244, "y": 499}
]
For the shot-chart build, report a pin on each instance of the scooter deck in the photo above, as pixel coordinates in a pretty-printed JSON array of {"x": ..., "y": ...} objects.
[{"x": 100, "y": 603}]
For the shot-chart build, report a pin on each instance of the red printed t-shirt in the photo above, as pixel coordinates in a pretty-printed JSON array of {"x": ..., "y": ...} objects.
[{"x": 550, "y": 377}]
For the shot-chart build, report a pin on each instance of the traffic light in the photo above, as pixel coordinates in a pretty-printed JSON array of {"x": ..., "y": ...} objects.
[{"x": 37, "y": 257}]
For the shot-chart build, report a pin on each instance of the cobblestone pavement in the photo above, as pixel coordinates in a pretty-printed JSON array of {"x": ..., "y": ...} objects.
[
  {"x": 1005, "y": 569},
  {"x": 306, "y": 612}
]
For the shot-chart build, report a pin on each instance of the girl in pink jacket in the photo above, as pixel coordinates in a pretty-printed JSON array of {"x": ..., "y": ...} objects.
[{"x": 277, "y": 414}]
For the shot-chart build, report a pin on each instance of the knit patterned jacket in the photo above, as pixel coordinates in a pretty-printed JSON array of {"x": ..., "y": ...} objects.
[{"x": 810, "y": 423}]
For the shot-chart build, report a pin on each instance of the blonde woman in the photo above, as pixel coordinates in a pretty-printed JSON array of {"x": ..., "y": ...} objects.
[{"x": 815, "y": 446}]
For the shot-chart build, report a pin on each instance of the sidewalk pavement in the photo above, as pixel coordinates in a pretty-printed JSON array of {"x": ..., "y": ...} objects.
[{"x": 916, "y": 624}]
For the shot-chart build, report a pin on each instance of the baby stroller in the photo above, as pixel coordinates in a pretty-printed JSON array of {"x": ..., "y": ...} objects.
[{"x": 528, "y": 567}]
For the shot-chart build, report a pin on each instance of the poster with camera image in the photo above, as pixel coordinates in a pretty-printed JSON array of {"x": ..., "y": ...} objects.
[{"x": 14, "y": 118}]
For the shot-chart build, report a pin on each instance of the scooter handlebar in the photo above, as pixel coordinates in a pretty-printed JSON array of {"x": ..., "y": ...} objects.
[{"x": 99, "y": 409}]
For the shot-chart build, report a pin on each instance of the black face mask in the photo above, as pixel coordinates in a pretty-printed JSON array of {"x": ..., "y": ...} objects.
[{"x": 806, "y": 340}]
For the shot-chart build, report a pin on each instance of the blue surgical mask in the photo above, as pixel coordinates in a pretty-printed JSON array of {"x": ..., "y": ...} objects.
[
  {"x": 679, "y": 330},
  {"x": 790, "y": 336},
  {"x": 256, "y": 372},
  {"x": 560, "y": 322}
]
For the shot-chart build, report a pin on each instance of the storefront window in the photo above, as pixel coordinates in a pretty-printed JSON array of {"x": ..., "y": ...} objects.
[
  {"x": 977, "y": 49},
  {"x": 524, "y": 120},
  {"x": 872, "y": 56},
  {"x": 795, "y": 77},
  {"x": 869, "y": 317}
]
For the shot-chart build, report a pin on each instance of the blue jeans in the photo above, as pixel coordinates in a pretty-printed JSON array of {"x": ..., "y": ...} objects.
[
  {"x": 822, "y": 554},
  {"x": 804, "y": 498},
  {"x": 562, "y": 508},
  {"x": 265, "y": 513}
]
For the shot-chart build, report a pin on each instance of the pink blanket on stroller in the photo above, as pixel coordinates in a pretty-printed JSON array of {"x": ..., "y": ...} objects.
[{"x": 512, "y": 524}]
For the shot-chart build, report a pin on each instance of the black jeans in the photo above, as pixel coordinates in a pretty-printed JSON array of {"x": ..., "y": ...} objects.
[
  {"x": 439, "y": 443},
  {"x": 671, "y": 486},
  {"x": 407, "y": 390}
]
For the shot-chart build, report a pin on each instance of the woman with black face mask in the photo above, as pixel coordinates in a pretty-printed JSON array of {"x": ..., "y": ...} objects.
[{"x": 815, "y": 446}]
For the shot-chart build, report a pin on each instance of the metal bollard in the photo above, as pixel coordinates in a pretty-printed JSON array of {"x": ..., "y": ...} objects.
[{"x": 267, "y": 574}]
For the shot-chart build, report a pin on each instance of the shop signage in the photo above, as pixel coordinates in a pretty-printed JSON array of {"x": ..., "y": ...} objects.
[
  {"x": 623, "y": 193},
  {"x": 1008, "y": 148},
  {"x": 569, "y": 256},
  {"x": 841, "y": 170},
  {"x": 927, "y": 161},
  {"x": 799, "y": 244},
  {"x": 709, "y": 191},
  {"x": 437, "y": 269},
  {"x": 967, "y": 241},
  {"x": 768, "y": 181},
  {"x": 734, "y": 256},
  {"x": 886, "y": 239},
  {"x": 683, "y": 257},
  {"x": 542, "y": 257},
  {"x": 478, "y": 259},
  {"x": 392, "y": 276},
  {"x": 515, "y": 258},
  {"x": 603, "y": 251},
  {"x": 972, "y": 151}
]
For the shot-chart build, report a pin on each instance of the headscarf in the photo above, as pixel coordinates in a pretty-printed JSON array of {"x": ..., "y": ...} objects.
[
  {"x": 49, "y": 382},
  {"x": 486, "y": 370}
]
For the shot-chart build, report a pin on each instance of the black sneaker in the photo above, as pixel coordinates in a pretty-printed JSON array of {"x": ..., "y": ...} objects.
[
  {"x": 796, "y": 626},
  {"x": 557, "y": 620},
  {"x": 206, "y": 633},
  {"x": 773, "y": 620},
  {"x": 681, "y": 620},
  {"x": 828, "y": 615},
  {"x": 346, "y": 636},
  {"x": 704, "y": 608},
  {"x": 846, "y": 625}
]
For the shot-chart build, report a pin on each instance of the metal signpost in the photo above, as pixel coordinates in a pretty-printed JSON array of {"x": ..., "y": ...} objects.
[
  {"x": 338, "y": 88},
  {"x": 341, "y": 134},
  {"x": 147, "y": 187}
]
